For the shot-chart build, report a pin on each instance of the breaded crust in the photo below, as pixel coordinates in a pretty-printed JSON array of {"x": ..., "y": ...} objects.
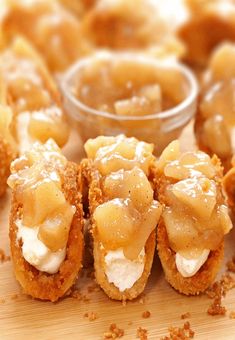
[
  {"x": 205, "y": 276},
  {"x": 40, "y": 284},
  {"x": 6, "y": 156},
  {"x": 93, "y": 178}
]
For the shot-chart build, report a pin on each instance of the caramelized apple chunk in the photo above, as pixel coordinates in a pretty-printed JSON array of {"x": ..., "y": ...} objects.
[
  {"x": 115, "y": 224},
  {"x": 195, "y": 216}
]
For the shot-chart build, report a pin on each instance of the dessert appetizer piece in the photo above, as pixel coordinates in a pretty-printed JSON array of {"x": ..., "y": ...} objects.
[
  {"x": 209, "y": 23},
  {"x": 123, "y": 213},
  {"x": 215, "y": 117},
  {"x": 52, "y": 29},
  {"x": 32, "y": 95},
  {"x": 46, "y": 221},
  {"x": 130, "y": 25},
  {"x": 190, "y": 234},
  {"x": 229, "y": 186},
  {"x": 8, "y": 149}
]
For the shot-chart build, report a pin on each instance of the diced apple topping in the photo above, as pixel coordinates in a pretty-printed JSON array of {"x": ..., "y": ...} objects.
[
  {"x": 36, "y": 182},
  {"x": 221, "y": 64},
  {"x": 198, "y": 194},
  {"x": 170, "y": 153},
  {"x": 112, "y": 154},
  {"x": 115, "y": 224},
  {"x": 194, "y": 216},
  {"x": 129, "y": 213},
  {"x": 216, "y": 136},
  {"x": 49, "y": 123},
  {"x": 219, "y": 100},
  {"x": 5, "y": 125},
  {"x": 132, "y": 184}
]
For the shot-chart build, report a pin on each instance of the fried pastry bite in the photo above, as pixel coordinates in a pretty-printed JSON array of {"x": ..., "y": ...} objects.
[
  {"x": 190, "y": 234},
  {"x": 49, "y": 26},
  {"x": 215, "y": 117},
  {"x": 46, "y": 221},
  {"x": 123, "y": 213},
  {"x": 210, "y": 22},
  {"x": 32, "y": 95},
  {"x": 130, "y": 25},
  {"x": 229, "y": 186}
]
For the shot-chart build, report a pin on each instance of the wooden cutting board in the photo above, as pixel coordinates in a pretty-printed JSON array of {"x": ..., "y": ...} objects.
[{"x": 24, "y": 318}]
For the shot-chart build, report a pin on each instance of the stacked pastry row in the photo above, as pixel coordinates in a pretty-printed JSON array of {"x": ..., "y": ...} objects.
[{"x": 134, "y": 203}]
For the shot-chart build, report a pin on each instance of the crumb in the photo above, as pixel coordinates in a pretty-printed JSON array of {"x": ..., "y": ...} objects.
[
  {"x": 14, "y": 296},
  {"x": 124, "y": 303},
  {"x": 91, "y": 316},
  {"x": 2, "y": 300},
  {"x": 114, "y": 332},
  {"x": 231, "y": 265},
  {"x": 4, "y": 257},
  {"x": 217, "y": 291},
  {"x": 180, "y": 333},
  {"x": 130, "y": 323},
  {"x": 142, "y": 333},
  {"x": 185, "y": 315},
  {"x": 141, "y": 300},
  {"x": 146, "y": 314},
  {"x": 76, "y": 294},
  {"x": 232, "y": 315}
]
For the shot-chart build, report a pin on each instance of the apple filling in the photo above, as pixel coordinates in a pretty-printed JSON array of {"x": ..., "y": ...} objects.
[
  {"x": 195, "y": 216},
  {"x": 128, "y": 87},
  {"x": 37, "y": 185},
  {"x": 29, "y": 90},
  {"x": 129, "y": 213}
]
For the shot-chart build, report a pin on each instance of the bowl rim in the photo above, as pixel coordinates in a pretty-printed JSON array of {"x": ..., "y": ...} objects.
[{"x": 168, "y": 64}]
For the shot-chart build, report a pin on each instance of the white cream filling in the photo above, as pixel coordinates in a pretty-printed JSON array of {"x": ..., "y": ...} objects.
[
  {"x": 189, "y": 267},
  {"x": 25, "y": 141},
  {"x": 36, "y": 253},
  {"x": 122, "y": 272}
]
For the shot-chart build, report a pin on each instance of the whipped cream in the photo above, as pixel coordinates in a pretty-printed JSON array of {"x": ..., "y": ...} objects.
[
  {"x": 189, "y": 267},
  {"x": 36, "y": 253},
  {"x": 122, "y": 272}
]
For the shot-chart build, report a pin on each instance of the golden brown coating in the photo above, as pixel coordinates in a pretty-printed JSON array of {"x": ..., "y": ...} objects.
[
  {"x": 6, "y": 156},
  {"x": 40, "y": 284},
  {"x": 93, "y": 180},
  {"x": 199, "y": 282}
]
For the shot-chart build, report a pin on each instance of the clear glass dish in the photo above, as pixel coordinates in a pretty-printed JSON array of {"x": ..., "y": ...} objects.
[{"x": 158, "y": 128}]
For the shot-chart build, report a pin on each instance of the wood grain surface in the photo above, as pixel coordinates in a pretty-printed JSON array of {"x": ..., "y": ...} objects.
[{"x": 24, "y": 318}]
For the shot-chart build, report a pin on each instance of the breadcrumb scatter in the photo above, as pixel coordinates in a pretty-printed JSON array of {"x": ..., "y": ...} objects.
[
  {"x": 185, "y": 316},
  {"x": 114, "y": 332},
  {"x": 142, "y": 333},
  {"x": 91, "y": 316},
  {"x": 180, "y": 333},
  {"x": 146, "y": 314},
  {"x": 217, "y": 291},
  {"x": 2, "y": 300},
  {"x": 4, "y": 257}
]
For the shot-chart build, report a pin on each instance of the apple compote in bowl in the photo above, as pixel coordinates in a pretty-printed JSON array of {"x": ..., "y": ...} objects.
[{"x": 113, "y": 93}]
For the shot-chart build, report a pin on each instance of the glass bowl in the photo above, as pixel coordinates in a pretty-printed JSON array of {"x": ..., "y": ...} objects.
[{"x": 158, "y": 128}]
